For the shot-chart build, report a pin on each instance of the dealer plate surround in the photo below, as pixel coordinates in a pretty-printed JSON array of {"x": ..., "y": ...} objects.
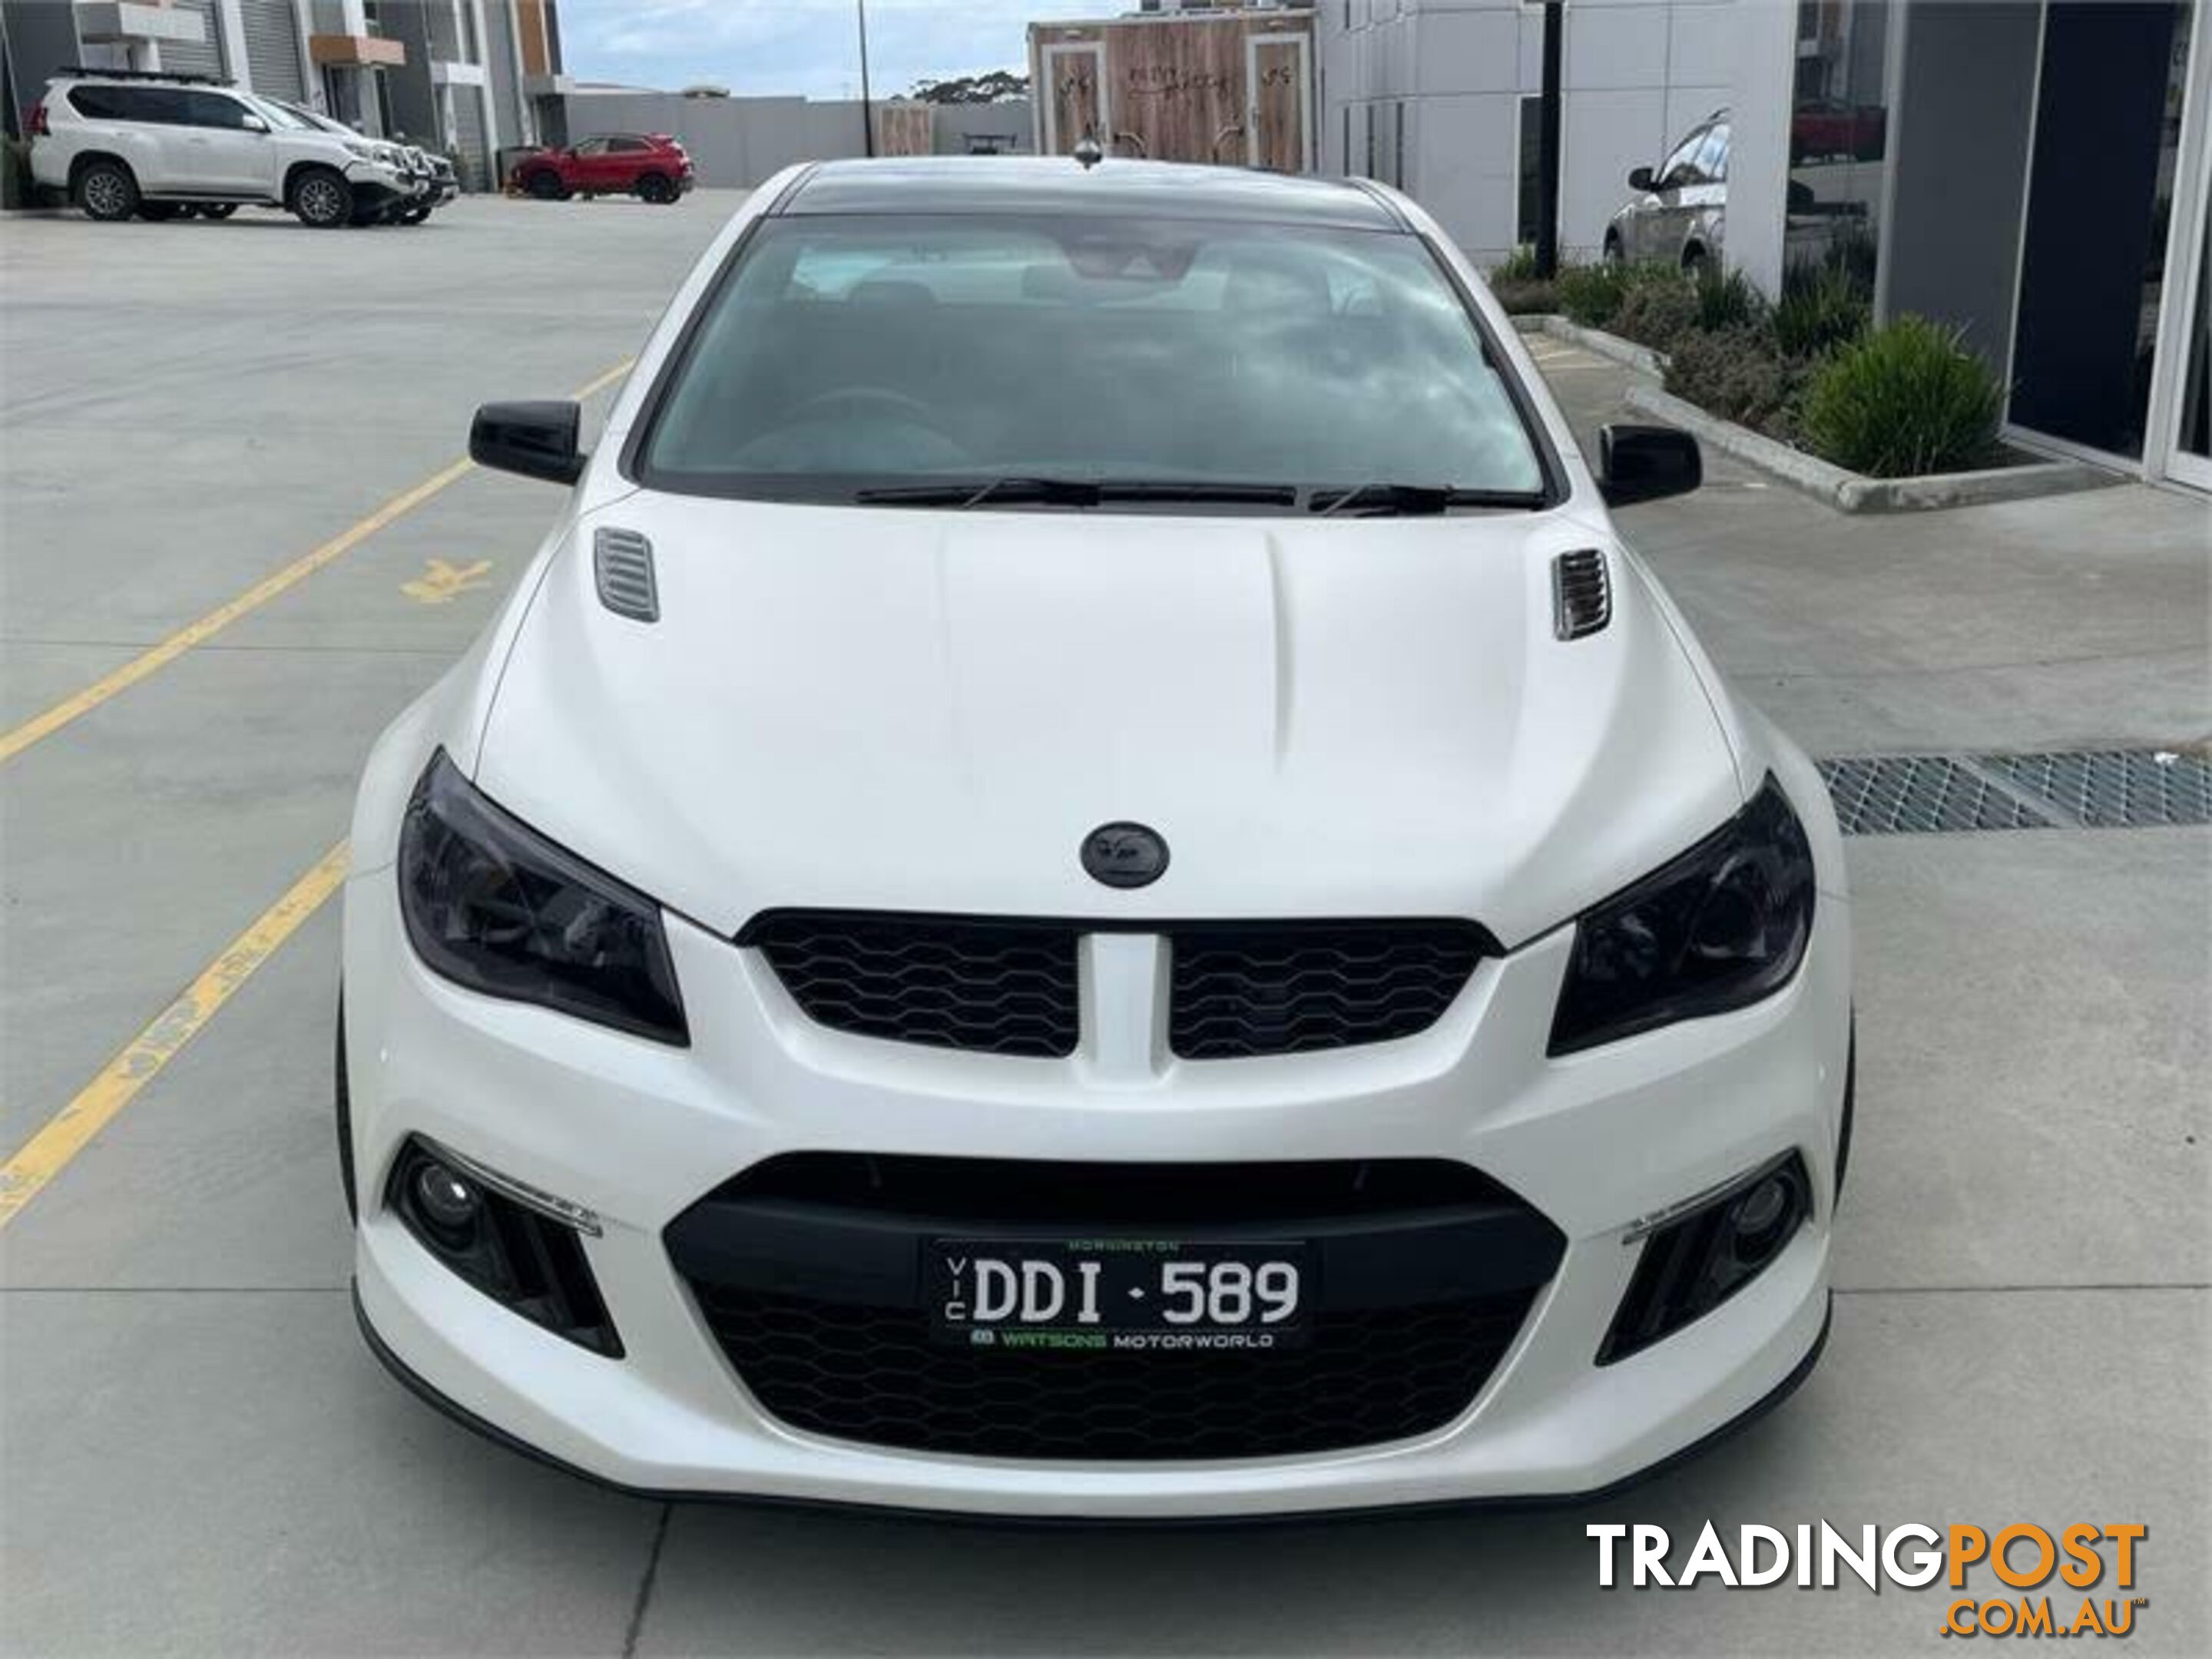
[{"x": 1120, "y": 1293}]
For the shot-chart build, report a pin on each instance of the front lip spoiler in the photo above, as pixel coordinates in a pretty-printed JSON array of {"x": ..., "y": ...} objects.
[{"x": 468, "y": 1419}]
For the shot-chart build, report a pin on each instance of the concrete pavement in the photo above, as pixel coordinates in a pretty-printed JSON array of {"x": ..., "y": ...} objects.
[{"x": 196, "y": 1455}]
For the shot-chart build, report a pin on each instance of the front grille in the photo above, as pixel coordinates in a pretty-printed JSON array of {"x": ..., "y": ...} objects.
[
  {"x": 1237, "y": 993},
  {"x": 808, "y": 1271},
  {"x": 1235, "y": 989},
  {"x": 993, "y": 987},
  {"x": 871, "y": 1375}
]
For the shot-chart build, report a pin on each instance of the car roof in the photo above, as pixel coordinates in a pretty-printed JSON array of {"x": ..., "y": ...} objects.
[{"x": 1060, "y": 185}]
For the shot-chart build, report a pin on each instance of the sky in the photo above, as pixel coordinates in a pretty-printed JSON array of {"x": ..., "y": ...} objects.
[{"x": 808, "y": 47}]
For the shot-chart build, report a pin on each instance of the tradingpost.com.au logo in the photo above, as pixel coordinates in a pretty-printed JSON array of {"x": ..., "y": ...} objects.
[{"x": 2046, "y": 1566}]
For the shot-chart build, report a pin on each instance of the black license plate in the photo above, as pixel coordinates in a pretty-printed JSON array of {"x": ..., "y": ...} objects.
[{"x": 1119, "y": 1295}]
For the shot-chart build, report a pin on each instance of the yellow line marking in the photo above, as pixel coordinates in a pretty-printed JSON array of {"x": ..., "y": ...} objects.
[
  {"x": 67, "y": 1132},
  {"x": 441, "y": 583},
  {"x": 159, "y": 657}
]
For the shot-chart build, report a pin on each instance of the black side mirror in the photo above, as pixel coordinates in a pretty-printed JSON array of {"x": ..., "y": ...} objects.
[
  {"x": 1647, "y": 463},
  {"x": 1640, "y": 178},
  {"x": 537, "y": 439}
]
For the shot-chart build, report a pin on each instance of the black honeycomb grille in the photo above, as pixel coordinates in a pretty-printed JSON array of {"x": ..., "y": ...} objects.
[
  {"x": 871, "y": 1375},
  {"x": 1237, "y": 993},
  {"x": 992, "y": 988}
]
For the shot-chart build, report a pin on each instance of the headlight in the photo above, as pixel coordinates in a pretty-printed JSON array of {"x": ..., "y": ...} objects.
[
  {"x": 1722, "y": 926},
  {"x": 493, "y": 905}
]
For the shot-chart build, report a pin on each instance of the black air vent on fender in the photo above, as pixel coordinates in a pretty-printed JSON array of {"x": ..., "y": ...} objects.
[
  {"x": 621, "y": 560},
  {"x": 1582, "y": 594}
]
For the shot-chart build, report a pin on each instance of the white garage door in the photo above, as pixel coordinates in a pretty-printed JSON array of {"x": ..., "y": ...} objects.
[{"x": 273, "y": 48}]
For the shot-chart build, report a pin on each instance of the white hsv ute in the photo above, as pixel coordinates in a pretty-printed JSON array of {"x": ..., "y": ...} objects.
[{"x": 1085, "y": 880}]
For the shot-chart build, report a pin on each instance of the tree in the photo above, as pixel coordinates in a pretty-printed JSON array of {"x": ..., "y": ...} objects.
[{"x": 996, "y": 87}]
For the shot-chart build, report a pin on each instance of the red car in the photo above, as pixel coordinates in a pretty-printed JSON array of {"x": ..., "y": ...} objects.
[{"x": 651, "y": 166}]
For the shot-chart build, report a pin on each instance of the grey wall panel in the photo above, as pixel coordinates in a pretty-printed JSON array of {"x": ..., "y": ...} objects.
[{"x": 1965, "y": 106}]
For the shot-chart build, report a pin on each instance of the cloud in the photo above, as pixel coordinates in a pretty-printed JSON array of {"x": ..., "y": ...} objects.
[{"x": 808, "y": 47}]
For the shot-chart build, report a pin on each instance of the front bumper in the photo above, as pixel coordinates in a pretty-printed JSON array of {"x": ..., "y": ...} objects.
[{"x": 639, "y": 1132}]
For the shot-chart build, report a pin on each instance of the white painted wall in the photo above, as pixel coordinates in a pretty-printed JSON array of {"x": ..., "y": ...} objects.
[{"x": 1637, "y": 75}]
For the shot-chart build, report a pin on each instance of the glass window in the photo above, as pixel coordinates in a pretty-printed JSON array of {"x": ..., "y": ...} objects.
[
  {"x": 212, "y": 109},
  {"x": 593, "y": 146},
  {"x": 1681, "y": 166},
  {"x": 853, "y": 352},
  {"x": 158, "y": 105},
  {"x": 1712, "y": 154},
  {"x": 627, "y": 146},
  {"x": 1531, "y": 162}
]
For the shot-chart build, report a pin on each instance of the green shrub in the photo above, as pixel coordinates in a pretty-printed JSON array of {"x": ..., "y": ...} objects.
[
  {"x": 1655, "y": 313},
  {"x": 1592, "y": 294},
  {"x": 1905, "y": 399},
  {"x": 1738, "y": 374},
  {"x": 1727, "y": 299},
  {"x": 1525, "y": 298},
  {"x": 1822, "y": 307},
  {"x": 1518, "y": 266}
]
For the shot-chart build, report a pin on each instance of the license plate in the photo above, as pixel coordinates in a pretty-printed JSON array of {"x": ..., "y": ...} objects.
[{"x": 1121, "y": 1295}]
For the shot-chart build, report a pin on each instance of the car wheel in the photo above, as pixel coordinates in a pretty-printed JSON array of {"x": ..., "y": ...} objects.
[
  {"x": 1613, "y": 255},
  {"x": 547, "y": 187},
  {"x": 107, "y": 192},
  {"x": 322, "y": 199},
  {"x": 415, "y": 216},
  {"x": 1693, "y": 261},
  {"x": 654, "y": 188},
  {"x": 344, "y": 1097}
]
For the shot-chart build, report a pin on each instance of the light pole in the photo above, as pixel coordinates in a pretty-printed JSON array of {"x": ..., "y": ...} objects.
[{"x": 867, "y": 111}]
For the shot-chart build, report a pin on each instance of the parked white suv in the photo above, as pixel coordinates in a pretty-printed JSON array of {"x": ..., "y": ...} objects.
[{"x": 124, "y": 143}]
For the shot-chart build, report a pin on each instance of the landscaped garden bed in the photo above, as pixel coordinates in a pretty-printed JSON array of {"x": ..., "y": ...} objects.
[{"x": 1898, "y": 417}]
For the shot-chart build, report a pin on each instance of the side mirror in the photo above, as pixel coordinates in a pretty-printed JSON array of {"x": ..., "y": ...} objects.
[
  {"x": 1640, "y": 178},
  {"x": 1646, "y": 463},
  {"x": 252, "y": 124},
  {"x": 537, "y": 440}
]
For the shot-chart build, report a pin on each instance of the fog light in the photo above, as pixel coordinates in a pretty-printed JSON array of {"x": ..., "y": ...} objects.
[
  {"x": 446, "y": 1199},
  {"x": 1703, "y": 1254}
]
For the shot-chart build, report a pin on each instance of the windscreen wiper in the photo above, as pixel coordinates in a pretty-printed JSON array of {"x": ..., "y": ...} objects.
[
  {"x": 1384, "y": 500},
  {"x": 1019, "y": 492}
]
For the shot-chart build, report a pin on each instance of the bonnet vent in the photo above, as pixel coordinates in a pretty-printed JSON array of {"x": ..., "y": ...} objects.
[
  {"x": 1582, "y": 594},
  {"x": 622, "y": 561}
]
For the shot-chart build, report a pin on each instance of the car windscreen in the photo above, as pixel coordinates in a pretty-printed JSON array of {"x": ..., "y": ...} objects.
[{"x": 845, "y": 354}]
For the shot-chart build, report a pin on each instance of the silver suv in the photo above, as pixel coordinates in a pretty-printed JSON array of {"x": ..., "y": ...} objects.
[
  {"x": 124, "y": 144},
  {"x": 1679, "y": 213}
]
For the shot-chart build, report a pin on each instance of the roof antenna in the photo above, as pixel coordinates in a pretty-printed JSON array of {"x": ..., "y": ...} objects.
[{"x": 1088, "y": 155}]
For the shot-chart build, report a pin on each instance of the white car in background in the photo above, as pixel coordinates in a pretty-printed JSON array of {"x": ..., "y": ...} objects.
[
  {"x": 124, "y": 144},
  {"x": 1086, "y": 880}
]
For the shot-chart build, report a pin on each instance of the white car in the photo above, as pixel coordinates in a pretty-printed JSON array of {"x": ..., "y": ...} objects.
[
  {"x": 1085, "y": 880},
  {"x": 121, "y": 143}
]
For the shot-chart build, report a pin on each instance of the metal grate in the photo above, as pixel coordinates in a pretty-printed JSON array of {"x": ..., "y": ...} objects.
[
  {"x": 1582, "y": 596},
  {"x": 2118, "y": 788},
  {"x": 1894, "y": 794},
  {"x": 622, "y": 560}
]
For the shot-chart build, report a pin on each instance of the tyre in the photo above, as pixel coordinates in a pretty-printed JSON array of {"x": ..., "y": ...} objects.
[
  {"x": 107, "y": 191},
  {"x": 654, "y": 188},
  {"x": 414, "y": 215},
  {"x": 345, "y": 1098},
  {"x": 546, "y": 185},
  {"x": 161, "y": 212},
  {"x": 322, "y": 199},
  {"x": 1612, "y": 251},
  {"x": 217, "y": 210},
  {"x": 1693, "y": 261}
]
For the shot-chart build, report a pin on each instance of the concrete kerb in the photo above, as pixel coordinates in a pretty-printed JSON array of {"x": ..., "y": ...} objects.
[
  {"x": 1854, "y": 492},
  {"x": 1843, "y": 490}
]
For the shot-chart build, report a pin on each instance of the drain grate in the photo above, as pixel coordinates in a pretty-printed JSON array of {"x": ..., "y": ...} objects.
[
  {"x": 1904, "y": 794},
  {"x": 2115, "y": 788}
]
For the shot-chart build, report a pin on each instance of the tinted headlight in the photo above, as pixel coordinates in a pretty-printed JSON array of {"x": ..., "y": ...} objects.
[
  {"x": 1722, "y": 926},
  {"x": 493, "y": 905}
]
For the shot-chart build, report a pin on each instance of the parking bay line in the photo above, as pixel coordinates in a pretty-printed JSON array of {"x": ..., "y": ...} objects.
[
  {"x": 65, "y": 1135},
  {"x": 158, "y": 656}
]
